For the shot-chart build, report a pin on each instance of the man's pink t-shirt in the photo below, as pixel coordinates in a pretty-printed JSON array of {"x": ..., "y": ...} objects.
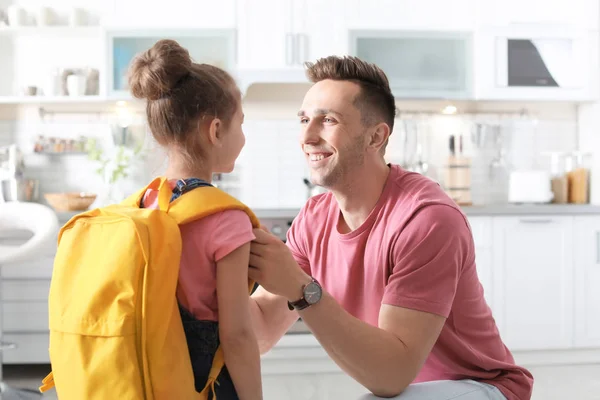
[
  {"x": 415, "y": 250},
  {"x": 204, "y": 242}
]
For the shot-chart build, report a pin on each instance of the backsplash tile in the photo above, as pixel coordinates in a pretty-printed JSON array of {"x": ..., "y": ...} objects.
[{"x": 271, "y": 168}]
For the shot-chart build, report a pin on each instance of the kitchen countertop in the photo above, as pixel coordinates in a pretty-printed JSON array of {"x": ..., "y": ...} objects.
[{"x": 482, "y": 210}]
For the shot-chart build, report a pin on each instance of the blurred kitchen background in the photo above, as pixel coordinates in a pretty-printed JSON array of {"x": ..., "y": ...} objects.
[{"x": 499, "y": 102}]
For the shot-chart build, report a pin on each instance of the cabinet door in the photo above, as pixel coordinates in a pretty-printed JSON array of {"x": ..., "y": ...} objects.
[
  {"x": 419, "y": 65},
  {"x": 578, "y": 13},
  {"x": 205, "y": 14},
  {"x": 586, "y": 252},
  {"x": 265, "y": 33},
  {"x": 412, "y": 14},
  {"x": 321, "y": 29},
  {"x": 533, "y": 281},
  {"x": 482, "y": 237}
]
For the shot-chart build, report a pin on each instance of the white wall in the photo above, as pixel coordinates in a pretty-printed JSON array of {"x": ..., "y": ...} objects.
[{"x": 271, "y": 167}]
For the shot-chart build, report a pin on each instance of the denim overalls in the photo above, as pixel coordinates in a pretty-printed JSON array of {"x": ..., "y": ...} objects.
[{"x": 203, "y": 336}]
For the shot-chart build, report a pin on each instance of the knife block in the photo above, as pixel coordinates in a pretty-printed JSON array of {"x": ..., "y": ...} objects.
[{"x": 457, "y": 179}]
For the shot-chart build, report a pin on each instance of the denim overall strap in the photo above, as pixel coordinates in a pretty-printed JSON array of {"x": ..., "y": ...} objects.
[{"x": 185, "y": 185}]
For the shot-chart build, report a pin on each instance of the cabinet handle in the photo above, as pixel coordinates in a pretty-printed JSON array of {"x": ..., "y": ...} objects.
[
  {"x": 597, "y": 247},
  {"x": 302, "y": 43},
  {"x": 535, "y": 221},
  {"x": 289, "y": 49}
]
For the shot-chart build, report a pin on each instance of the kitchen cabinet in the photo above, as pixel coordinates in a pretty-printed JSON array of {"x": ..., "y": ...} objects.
[
  {"x": 539, "y": 274},
  {"x": 177, "y": 13},
  {"x": 481, "y": 227},
  {"x": 533, "y": 281},
  {"x": 276, "y": 37},
  {"x": 584, "y": 14},
  {"x": 428, "y": 65},
  {"x": 24, "y": 292},
  {"x": 430, "y": 15},
  {"x": 210, "y": 46},
  {"x": 537, "y": 62},
  {"x": 275, "y": 34},
  {"x": 586, "y": 250}
]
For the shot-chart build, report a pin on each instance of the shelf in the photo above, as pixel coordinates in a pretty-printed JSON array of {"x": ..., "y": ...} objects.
[
  {"x": 54, "y": 31},
  {"x": 16, "y": 100},
  {"x": 61, "y": 154}
]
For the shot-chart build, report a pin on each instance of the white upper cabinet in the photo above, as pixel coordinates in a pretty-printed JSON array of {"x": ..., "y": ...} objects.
[
  {"x": 276, "y": 34},
  {"x": 425, "y": 65},
  {"x": 265, "y": 34},
  {"x": 198, "y": 14},
  {"x": 537, "y": 62},
  {"x": 276, "y": 38},
  {"x": 582, "y": 14},
  {"x": 430, "y": 15}
]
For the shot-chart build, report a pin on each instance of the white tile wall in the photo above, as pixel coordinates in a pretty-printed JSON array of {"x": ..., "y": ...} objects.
[
  {"x": 271, "y": 167},
  {"x": 524, "y": 140}
]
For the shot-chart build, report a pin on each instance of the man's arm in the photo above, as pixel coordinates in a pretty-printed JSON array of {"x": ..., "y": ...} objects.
[
  {"x": 428, "y": 257},
  {"x": 384, "y": 359},
  {"x": 271, "y": 318}
]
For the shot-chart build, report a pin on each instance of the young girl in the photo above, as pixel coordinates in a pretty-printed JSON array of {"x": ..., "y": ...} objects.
[{"x": 195, "y": 113}]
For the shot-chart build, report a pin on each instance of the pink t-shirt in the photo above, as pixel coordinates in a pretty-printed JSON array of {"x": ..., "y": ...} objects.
[
  {"x": 415, "y": 250},
  {"x": 204, "y": 242}
]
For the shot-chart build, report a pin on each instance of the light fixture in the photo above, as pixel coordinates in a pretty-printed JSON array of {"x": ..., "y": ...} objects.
[{"x": 449, "y": 110}]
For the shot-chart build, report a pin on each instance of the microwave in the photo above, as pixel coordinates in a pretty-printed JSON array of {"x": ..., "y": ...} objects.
[{"x": 541, "y": 64}]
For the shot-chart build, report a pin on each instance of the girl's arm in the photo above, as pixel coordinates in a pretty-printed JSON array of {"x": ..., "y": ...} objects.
[{"x": 238, "y": 340}]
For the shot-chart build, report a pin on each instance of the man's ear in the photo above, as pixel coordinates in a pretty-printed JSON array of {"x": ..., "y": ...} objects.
[
  {"x": 214, "y": 132},
  {"x": 379, "y": 135}
]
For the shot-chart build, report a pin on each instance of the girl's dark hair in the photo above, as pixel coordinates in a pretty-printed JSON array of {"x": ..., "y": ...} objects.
[{"x": 180, "y": 93}]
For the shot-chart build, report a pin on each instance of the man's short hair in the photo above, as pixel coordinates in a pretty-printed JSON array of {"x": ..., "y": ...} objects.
[{"x": 375, "y": 100}]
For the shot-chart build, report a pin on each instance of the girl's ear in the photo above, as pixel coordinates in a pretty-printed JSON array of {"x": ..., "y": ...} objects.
[{"x": 214, "y": 132}]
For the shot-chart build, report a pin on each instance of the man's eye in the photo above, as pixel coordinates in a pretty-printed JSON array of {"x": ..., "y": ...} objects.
[
  {"x": 326, "y": 119},
  {"x": 303, "y": 120}
]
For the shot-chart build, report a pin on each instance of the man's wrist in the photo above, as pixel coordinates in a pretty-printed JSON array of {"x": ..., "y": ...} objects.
[{"x": 296, "y": 289}]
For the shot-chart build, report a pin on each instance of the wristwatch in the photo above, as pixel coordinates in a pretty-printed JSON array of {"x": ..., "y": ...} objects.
[{"x": 311, "y": 294}]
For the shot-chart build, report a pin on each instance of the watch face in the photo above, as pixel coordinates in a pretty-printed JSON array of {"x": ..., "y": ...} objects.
[{"x": 312, "y": 293}]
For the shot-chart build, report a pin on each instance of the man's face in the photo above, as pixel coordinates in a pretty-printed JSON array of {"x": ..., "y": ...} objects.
[{"x": 333, "y": 138}]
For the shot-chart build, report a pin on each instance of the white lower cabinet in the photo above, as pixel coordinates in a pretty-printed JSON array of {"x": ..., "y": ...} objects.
[
  {"x": 540, "y": 275},
  {"x": 533, "y": 281},
  {"x": 586, "y": 249}
]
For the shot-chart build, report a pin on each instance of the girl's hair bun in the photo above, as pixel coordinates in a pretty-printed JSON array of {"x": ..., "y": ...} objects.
[{"x": 157, "y": 71}]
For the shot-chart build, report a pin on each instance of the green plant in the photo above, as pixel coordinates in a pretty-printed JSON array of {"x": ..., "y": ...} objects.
[{"x": 112, "y": 168}]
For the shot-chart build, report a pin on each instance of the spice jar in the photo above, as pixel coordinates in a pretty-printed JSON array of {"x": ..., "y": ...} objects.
[{"x": 578, "y": 175}]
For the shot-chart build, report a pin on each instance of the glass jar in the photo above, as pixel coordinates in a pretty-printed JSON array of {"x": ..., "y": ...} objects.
[
  {"x": 559, "y": 179},
  {"x": 578, "y": 175}
]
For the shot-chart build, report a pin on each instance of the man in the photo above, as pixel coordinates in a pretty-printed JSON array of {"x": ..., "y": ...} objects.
[{"x": 381, "y": 268}]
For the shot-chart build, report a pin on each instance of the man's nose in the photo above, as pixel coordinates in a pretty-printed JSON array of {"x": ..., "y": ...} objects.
[{"x": 310, "y": 134}]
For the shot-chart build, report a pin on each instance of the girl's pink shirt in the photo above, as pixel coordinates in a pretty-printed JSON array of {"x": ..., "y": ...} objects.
[{"x": 205, "y": 242}]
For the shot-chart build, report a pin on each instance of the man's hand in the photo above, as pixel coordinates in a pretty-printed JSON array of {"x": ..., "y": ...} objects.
[{"x": 274, "y": 268}]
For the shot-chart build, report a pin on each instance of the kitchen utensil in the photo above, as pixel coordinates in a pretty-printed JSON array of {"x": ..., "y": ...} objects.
[
  {"x": 75, "y": 201},
  {"x": 19, "y": 190},
  {"x": 313, "y": 190}
]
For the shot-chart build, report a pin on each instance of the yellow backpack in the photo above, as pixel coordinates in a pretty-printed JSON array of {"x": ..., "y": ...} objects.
[{"x": 115, "y": 327}]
